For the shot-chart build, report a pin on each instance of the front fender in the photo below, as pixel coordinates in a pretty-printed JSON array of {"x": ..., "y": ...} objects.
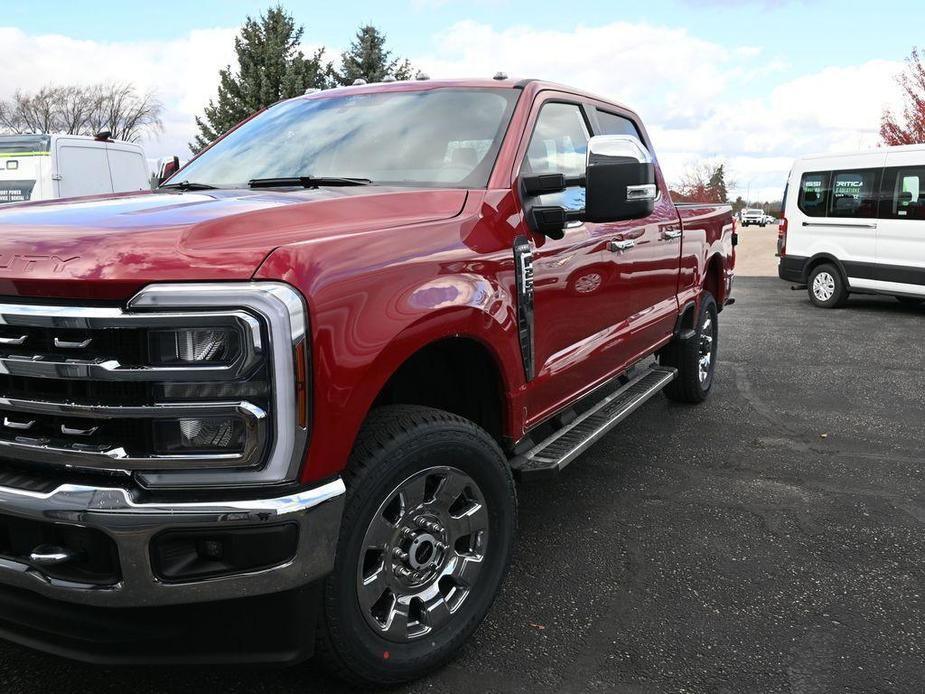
[{"x": 366, "y": 323}]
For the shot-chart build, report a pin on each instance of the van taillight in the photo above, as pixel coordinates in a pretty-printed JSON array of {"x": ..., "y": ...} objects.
[{"x": 782, "y": 237}]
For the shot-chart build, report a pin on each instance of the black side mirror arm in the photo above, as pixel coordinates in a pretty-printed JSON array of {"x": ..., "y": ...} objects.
[{"x": 550, "y": 220}]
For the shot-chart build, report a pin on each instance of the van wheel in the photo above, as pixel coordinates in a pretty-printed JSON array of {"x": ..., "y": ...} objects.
[
  {"x": 695, "y": 359},
  {"x": 910, "y": 300},
  {"x": 425, "y": 542},
  {"x": 826, "y": 287}
]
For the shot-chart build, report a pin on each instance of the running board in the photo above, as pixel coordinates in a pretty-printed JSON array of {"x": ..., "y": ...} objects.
[{"x": 566, "y": 444}]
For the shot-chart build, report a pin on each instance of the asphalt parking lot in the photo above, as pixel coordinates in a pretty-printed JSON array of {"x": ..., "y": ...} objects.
[{"x": 770, "y": 540}]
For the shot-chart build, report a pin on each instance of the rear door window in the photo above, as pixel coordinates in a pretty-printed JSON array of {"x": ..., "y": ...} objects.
[
  {"x": 855, "y": 193},
  {"x": 814, "y": 194},
  {"x": 612, "y": 124}
]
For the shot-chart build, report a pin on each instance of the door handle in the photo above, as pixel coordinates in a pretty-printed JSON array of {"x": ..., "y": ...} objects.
[
  {"x": 672, "y": 233},
  {"x": 615, "y": 246}
]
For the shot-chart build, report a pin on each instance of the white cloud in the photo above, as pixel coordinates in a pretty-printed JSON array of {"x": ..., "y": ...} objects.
[
  {"x": 182, "y": 71},
  {"x": 688, "y": 91}
]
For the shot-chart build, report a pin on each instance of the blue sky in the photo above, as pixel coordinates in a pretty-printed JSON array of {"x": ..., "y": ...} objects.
[{"x": 751, "y": 83}]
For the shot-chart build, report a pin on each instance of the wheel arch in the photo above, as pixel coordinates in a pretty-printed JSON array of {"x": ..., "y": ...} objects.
[
  {"x": 822, "y": 259},
  {"x": 713, "y": 278}
]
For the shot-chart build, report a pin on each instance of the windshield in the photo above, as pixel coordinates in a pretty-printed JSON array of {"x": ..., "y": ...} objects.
[{"x": 438, "y": 137}]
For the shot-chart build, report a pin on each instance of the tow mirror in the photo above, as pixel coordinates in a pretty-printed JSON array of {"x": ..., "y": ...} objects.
[
  {"x": 620, "y": 179},
  {"x": 167, "y": 168},
  {"x": 619, "y": 184}
]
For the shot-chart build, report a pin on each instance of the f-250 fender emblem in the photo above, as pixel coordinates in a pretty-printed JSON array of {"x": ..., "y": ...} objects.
[
  {"x": 523, "y": 267},
  {"x": 30, "y": 263}
]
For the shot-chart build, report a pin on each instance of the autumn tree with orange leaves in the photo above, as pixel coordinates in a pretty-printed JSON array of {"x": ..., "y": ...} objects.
[{"x": 909, "y": 128}]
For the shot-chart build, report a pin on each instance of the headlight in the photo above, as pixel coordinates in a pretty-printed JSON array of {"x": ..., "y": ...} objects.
[
  {"x": 191, "y": 385},
  {"x": 195, "y": 346},
  {"x": 254, "y": 357}
]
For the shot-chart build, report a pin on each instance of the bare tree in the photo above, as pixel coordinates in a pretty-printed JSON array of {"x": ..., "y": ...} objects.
[
  {"x": 37, "y": 111},
  {"x": 84, "y": 110},
  {"x": 76, "y": 106}
]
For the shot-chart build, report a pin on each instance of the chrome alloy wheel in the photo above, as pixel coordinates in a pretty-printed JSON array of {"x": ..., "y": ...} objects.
[
  {"x": 707, "y": 338},
  {"x": 422, "y": 553},
  {"x": 823, "y": 286}
]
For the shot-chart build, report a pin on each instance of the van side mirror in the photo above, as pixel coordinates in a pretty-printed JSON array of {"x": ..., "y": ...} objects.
[
  {"x": 619, "y": 179},
  {"x": 619, "y": 183},
  {"x": 167, "y": 168}
]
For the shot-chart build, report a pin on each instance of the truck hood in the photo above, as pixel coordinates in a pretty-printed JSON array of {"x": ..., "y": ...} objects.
[{"x": 109, "y": 246}]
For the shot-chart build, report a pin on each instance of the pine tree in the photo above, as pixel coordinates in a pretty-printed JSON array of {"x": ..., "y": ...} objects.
[
  {"x": 717, "y": 184},
  {"x": 270, "y": 67},
  {"x": 369, "y": 60}
]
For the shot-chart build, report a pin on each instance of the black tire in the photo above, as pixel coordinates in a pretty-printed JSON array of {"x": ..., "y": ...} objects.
[
  {"x": 685, "y": 356},
  {"x": 909, "y": 300},
  {"x": 395, "y": 443},
  {"x": 826, "y": 287}
]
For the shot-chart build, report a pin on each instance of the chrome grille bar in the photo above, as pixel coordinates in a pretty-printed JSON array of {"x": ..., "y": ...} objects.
[{"x": 115, "y": 457}]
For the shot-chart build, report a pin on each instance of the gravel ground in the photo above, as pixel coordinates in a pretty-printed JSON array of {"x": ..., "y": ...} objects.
[
  {"x": 769, "y": 540},
  {"x": 755, "y": 256}
]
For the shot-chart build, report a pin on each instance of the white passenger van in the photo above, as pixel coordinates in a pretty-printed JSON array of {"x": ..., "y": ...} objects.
[
  {"x": 45, "y": 167},
  {"x": 855, "y": 223}
]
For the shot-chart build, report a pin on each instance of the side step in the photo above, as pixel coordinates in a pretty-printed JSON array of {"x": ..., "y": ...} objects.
[{"x": 566, "y": 444}]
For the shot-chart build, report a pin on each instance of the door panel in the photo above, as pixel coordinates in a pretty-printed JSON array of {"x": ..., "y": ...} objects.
[
  {"x": 647, "y": 277},
  {"x": 83, "y": 169},
  {"x": 572, "y": 313},
  {"x": 590, "y": 320},
  {"x": 901, "y": 228}
]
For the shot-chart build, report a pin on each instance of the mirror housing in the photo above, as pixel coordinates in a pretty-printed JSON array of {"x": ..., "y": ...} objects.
[
  {"x": 167, "y": 167},
  {"x": 619, "y": 182},
  {"x": 619, "y": 179}
]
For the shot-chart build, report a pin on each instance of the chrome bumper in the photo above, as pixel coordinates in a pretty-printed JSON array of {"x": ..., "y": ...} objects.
[{"x": 132, "y": 525}]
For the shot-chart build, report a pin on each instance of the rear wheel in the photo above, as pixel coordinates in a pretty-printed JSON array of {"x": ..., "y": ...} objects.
[
  {"x": 425, "y": 541},
  {"x": 695, "y": 358},
  {"x": 826, "y": 287}
]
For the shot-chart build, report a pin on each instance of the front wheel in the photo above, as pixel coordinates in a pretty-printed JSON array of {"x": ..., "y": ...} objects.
[
  {"x": 695, "y": 358},
  {"x": 826, "y": 287},
  {"x": 425, "y": 541}
]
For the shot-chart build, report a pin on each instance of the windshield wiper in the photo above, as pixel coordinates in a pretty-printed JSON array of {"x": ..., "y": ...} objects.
[
  {"x": 307, "y": 182},
  {"x": 186, "y": 185}
]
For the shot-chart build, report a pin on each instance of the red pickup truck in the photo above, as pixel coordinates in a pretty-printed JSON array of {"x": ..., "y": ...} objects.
[{"x": 278, "y": 405}]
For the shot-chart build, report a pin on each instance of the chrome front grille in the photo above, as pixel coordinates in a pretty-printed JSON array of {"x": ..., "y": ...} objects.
[{"x": 88, "y": 387}]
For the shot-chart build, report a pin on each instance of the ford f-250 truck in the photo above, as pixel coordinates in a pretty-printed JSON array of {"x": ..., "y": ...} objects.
[{"x": 278, "y": 405}]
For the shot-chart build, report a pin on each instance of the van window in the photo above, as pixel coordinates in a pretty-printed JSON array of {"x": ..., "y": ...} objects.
[
  {"x": 612, "y": 124},
  {"x": 814, "y": 194},
  {"x": 854, "y": 193},
  {"x": 908, "y": 200}
]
